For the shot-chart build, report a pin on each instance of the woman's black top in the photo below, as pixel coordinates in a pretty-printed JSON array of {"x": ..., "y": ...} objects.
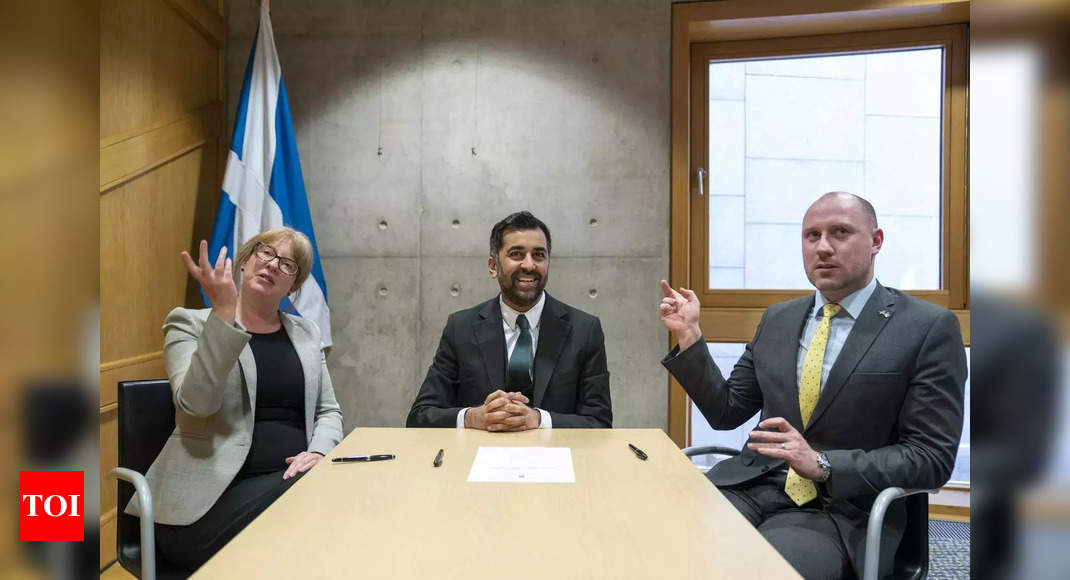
[{"x": 279, "y": 427}]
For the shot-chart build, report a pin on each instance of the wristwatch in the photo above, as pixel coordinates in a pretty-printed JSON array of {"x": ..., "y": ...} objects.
[{"x": 826, "y": 467}]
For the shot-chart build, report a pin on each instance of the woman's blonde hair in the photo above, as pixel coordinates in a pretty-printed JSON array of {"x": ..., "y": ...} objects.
[{"x": 302, "y": 249}]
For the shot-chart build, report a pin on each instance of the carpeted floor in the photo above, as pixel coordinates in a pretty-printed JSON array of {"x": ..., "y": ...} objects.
[{"x": 949, "y": 550}]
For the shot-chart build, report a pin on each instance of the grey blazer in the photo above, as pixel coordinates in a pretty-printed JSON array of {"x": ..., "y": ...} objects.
[
  {"x": 213, "y": 381},
  {"x": 890, "y": 412}
]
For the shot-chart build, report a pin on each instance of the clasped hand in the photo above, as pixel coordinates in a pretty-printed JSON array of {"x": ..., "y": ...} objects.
[{"x": 502, "y": 411}]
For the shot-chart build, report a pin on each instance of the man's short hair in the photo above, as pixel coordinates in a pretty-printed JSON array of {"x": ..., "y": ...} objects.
[{"x": 521, "y": 220}]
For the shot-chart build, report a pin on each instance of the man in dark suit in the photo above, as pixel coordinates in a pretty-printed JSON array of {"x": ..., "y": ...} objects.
[
  {"x": 860, "y": 388},
  {"x": 521, "y": 360}
]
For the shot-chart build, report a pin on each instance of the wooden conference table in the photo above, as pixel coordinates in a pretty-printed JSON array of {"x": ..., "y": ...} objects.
[{"x": 622, "y": 518}]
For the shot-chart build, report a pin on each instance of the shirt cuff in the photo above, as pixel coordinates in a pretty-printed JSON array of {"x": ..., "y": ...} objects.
[
  {"x": 460, "y": 417},
  {"x": 547, "y": 422}
]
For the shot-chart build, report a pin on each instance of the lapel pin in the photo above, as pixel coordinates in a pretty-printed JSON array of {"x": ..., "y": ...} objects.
[{"x": 885, "y": 313}]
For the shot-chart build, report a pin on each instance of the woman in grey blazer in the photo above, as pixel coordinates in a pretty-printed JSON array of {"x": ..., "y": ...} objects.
[{"x": 254, "y": 405}]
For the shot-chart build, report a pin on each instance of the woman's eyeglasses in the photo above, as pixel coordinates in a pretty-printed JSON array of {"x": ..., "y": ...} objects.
[{"x": 266, "y": 254}]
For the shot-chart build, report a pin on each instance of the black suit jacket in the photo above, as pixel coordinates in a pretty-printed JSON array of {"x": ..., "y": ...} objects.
[
  {"x": 890, "y": 412},
  {"x": 571, "y": 381}
]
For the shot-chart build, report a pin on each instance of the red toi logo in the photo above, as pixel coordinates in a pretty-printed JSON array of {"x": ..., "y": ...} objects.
[{"x": 52, "y": 506}]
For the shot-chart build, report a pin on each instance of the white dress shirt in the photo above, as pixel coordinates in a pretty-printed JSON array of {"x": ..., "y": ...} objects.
[
  {"x": 512, "y": 334},
  {"x": 839, "y": 328}
]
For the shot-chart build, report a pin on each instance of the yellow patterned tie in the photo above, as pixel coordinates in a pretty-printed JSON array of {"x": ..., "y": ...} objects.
[{"x": 798, "y": 489}]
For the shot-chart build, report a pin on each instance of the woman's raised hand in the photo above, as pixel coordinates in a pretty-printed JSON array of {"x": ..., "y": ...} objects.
[{"x": 217, "y": 281}]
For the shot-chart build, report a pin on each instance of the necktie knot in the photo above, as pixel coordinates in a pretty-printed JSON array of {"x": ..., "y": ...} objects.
[
  {"x": 831, "y": 309},
  {"x": 522, "y": 322}
]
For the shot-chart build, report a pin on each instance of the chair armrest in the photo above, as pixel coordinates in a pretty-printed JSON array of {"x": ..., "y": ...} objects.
[
  {"x": 148, "y": 519},
  {"x": 876, "y": 523},
  {"x": 710, "y": 450}
]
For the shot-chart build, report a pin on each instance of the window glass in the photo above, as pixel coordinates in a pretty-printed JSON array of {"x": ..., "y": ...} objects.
[{"x": 783, "y": 131}]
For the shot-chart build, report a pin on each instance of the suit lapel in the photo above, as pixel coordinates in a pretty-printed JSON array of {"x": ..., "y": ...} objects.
[
  {"x": 490, "y": 337},
  {"x": 786, "y": 340},
  {"x": 870, "y": 323},
  {"x": 554, "y": 327},
  {"x": 248, "y": 370},
  {"x": 309, "y": 353},
  {"x": 779, "y": 336}
]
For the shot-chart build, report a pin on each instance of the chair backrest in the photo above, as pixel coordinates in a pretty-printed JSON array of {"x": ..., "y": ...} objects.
[
  {"x": 146, "y": 420},
  {"x": 912, "y": 556}
]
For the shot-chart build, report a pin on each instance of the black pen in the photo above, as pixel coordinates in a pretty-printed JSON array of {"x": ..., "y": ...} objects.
[
  {"x": 438, "y": 459},
  {"x": 383, "y": 457},
  {"x": 638, "y": 452}
]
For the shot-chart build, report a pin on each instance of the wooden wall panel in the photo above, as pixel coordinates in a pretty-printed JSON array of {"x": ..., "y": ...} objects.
[
  {"x": 161, "y": 144},
  {"x": 126, "y": 158},
  {"x": 154, "y": 66},
  {"x": 107, "y": 540},
  {"x": 147, "y": 366},
  {"x": 109, "y": 451},
  {"x": 144, "y": 226},
  {"x": 205, "y": 16},
  {"x": 208, "y": 203}
]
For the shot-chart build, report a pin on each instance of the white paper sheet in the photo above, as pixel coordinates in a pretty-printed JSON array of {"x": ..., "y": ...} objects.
[{"x": 523, "y": 465}]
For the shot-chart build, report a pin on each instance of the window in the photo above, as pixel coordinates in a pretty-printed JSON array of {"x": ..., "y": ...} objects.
[
  {"x": 783, "y": 130},
  {"x": 776, "y": 123}
]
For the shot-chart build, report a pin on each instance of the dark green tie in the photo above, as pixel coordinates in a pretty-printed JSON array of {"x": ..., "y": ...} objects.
[{"x": 519, "y": 370}]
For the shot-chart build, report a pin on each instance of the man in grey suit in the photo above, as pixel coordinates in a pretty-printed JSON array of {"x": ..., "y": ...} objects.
[
  {"x": 521, "y": 360},
  {"x": 860, "y": 388}
]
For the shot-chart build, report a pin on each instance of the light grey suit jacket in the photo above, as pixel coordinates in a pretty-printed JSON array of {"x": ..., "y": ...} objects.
[{"x": 213, "y": 381}]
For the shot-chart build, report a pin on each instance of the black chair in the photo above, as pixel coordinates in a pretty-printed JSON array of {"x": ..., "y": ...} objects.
[
  {"x": 912, "y": 557},
  {"x": 146, "y": 420}
]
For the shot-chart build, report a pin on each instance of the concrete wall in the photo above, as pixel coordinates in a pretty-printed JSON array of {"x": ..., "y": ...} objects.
[{"x": 481, "y": 108}]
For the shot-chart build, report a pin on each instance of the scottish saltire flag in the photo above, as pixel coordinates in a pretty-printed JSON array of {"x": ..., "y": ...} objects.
[{"x": 263, "y": 187}]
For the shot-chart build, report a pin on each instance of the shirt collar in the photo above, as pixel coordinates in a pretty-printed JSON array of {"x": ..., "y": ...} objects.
[
  {"x": 534, "y": 314},
  {"x": 853, "y": 303}
]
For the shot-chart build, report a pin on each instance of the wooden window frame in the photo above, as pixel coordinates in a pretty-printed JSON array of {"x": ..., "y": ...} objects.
[
  {"x": 951, "y": 39},
  {"x": 744, "y": 29}
]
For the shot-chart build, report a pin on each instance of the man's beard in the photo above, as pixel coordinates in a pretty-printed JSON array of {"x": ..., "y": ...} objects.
[{"x": 515, "y": 296}]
